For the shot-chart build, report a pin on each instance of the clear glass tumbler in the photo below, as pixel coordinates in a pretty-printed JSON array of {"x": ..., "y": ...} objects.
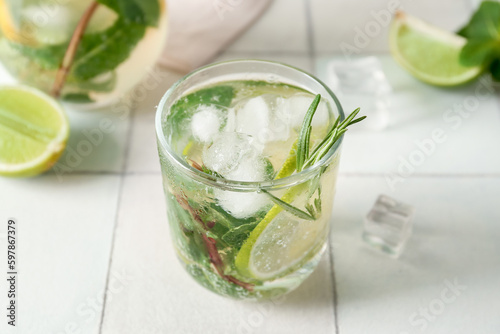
[{"x": 246, "y": 256}]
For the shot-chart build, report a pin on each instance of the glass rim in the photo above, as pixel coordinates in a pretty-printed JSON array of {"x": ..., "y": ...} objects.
[{"x": 219, "y": 182}]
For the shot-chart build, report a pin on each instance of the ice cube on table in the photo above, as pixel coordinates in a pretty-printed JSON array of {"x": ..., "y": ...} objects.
[
  {"x": 206, "y": 123},
  {"x": 388, "y": 225},
  {"x": 362, "y": 83}
]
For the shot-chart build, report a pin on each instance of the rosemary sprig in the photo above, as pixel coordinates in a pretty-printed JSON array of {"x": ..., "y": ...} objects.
[
  {"x": 305, "y": 134},
  {"x": 305, "y": 160},
  {"x": 336, "y": 131},
  {"x": 288, "y": 207}
]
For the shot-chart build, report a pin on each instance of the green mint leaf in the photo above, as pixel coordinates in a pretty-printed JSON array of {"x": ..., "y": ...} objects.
[
  {"x": 236, "y": 236},
  {"x": 484, "y": 23},
  {"x": 98, "y": 53},
  {"x": 47, "y": 57},
  {"x": 479, "y": 52},
  {"x": 483, "y": 36},
  {"x": 495, "y": 69},
  {"x": 103, "y": 52},
  {"x": 218, "y": 95},
  {"x": 210, "y": 172},
  {"x": 305, "y": 134},
  {"x": 183, "y": 109},
  {"x": 104, "y": 83},
  {"x": 77, "y": 98},
  {"x": 145, "y": 12}
]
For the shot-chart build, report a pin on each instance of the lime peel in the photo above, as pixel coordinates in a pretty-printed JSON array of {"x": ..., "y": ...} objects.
[
  {"x": 430, "y": 54},
  {"x": 34, "y": 133}
]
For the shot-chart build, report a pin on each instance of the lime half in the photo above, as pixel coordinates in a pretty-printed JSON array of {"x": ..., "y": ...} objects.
[
  {"x": 275, "y": 248},
  {"x": 33, "y": 131},
  {"x": 429, "y": 53}
]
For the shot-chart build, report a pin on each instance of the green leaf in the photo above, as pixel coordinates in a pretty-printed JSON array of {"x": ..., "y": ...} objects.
[
  {"x": 479, "y": 51},
  {"x": 288, "y": 207},
  {"x": 483, "y": 36},
  {"x": 184, "y": 108},
  {"x": 145, "y": 12},
  {"x": 218, "y": 95},
  {"x": 305, "y": 134},
  {"x": 47, "y": 57},
  {"x": 236, "y": 236},
  {"x": 495, "y": 69},
  {"x": 98, "y": 53},
  {"x": 484, "y": 23},
  {"x": 77, "y": 98},
  {"x": 102, "y": 52}
]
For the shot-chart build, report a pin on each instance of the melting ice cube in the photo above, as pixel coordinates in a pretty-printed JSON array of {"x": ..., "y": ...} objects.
[
  {"x": 234, "y": 156},
  {"x": 253, "y": 118},
  {"x": 206, "y": 123},
  {"x": 388, "y": 225},
  {"x": 227, "y": 152}
]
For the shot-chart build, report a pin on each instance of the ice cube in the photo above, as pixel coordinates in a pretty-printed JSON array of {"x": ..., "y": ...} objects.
[
  {"x": 234, "y": 156},
  {"x": 362, "y": 83},
  {"x": 241, "y": 205},
  {"x": 297, "y": 107},
  {"x": 253, "y": 119},
  {"x": 252, "y": 168},
  {"x": 388, "y": 225},
  {"x": 230, "y": 121},
  {"x": 206, "y": 123},
  {"x": 227, "y": 151}
]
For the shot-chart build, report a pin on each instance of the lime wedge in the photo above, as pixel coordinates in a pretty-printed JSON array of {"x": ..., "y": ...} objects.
[
  {"x": 278, "y": 246},
  {"x": 429, "y": 53},
  {"x": 33, "y": 131}
]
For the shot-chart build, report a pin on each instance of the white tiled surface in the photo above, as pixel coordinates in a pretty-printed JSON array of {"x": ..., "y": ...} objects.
[
  {"x": 160, "y": 297},
  {"x": 416, "y": 111},
  {"x": 365, "y": 24},
  {"x": 67, "y": 221},
  {"x": 65, "y": 229},
  {"x": 455, "y": 239},
  {"x": 281, "y": 29}
]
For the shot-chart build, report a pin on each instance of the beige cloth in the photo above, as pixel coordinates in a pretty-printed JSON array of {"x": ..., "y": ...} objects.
[{"x": 200, "y": 29}]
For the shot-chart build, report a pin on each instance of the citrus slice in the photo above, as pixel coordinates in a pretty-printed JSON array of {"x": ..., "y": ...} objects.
[
  {"x": 33, "y": 131},
  {"x": 9, "y": 28},
  {"x": 429, "y": 53},
  {"x": 276, "y": 248}
]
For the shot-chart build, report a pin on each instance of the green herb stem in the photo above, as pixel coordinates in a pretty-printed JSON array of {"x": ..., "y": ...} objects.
[{"x": 69, "y": 56}]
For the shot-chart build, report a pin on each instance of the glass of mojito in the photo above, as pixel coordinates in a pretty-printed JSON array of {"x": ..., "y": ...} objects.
[
  {"x": 88, "y": 52},
  {"x": 249, "y": 152}
]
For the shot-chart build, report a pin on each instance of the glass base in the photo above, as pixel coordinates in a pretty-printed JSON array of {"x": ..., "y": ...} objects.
[{"x": 207, "y": 277}]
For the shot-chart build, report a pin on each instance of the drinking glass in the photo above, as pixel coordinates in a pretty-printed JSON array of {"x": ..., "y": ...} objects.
[{"x": 267, "y": 254}]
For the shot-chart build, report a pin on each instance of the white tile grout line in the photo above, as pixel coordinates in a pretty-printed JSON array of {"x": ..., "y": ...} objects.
[{"x": 118, "y": 204}]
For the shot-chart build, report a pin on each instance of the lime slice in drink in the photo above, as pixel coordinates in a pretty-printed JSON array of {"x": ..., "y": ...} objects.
[
  {"x": 429, "y": 53},
  {"x": 33, "y": 131},
  {"x": 276, "y": 247}
]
